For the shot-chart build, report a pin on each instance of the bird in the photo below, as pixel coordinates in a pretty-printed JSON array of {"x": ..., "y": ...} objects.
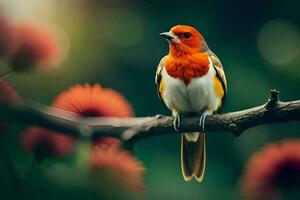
[{"x": 190, "y": 80}]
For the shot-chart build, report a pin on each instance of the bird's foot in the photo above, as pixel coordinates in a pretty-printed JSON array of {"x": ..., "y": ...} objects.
[
  {"x": 202, "y": 120},
  {"x": 177, "y": 121}
]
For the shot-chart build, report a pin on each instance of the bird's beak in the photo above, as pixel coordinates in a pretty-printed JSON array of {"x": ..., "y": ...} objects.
[{"x": 170, "y": 37}]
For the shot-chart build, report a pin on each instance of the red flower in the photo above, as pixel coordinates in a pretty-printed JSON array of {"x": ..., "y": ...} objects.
[
  {"x": 44, "y": 144},
  {"x": 7, "y": 36},
  {"x": 272, "y": 171},
  {"x": 93, "y": 101},
  {"x": 118, "y": 166},
  {"x": 85, "y": 101},
  {"x": 8, "y": 95},
  {"x": 36, "y": 47},
  {"x": 108, "y": 161}
]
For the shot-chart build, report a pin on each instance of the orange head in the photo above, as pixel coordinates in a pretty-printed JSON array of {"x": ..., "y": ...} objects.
[{"x": 184, "y": 39}]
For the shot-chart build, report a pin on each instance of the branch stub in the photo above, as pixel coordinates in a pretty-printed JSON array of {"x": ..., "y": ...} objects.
[{"x": 273, "y": 100}]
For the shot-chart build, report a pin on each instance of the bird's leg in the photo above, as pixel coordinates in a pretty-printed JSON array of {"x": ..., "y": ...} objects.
[
  {"x": 177, "y": 120},
  {"x": 202, "y": 119}
]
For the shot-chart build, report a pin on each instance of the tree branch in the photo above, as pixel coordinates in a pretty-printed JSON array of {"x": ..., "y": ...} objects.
[{"x": 132, "y": 129}]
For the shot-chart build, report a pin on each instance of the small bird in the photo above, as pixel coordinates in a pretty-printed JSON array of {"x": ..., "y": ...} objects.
[{"x": 190, "y": 79}]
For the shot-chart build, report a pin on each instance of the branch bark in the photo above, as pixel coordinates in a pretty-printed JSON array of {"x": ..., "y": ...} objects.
[{"x": 131, "y": 130}]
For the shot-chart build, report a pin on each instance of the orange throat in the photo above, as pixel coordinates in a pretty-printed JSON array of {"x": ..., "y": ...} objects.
[{"x": 187, "y": 66}]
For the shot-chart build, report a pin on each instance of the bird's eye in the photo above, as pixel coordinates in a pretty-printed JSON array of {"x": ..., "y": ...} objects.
[{"x": 186, "y": 35}]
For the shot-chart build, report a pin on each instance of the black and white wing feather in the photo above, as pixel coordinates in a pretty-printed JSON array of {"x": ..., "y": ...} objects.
[
  {"x": 219, "y": 70},
  {"x": 158, "y": 75}
]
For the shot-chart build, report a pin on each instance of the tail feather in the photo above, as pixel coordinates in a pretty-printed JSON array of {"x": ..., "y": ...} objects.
[
  {"x": 186, "y": 160},
  {"x": 193, "y": 157},
  {"x": 200, "y": 158}
]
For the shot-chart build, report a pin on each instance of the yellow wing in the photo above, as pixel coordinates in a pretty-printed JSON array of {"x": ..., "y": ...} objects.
[
  {"x": 220, "y": 75},
  {"x": 217, "y": 66},
  {"x": 158, "y": 80}
]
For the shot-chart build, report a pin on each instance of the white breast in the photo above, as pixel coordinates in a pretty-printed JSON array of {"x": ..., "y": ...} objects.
[{"x": 197, "y": 96}]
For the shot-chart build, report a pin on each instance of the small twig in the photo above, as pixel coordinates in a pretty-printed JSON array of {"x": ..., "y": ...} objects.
[
  {"x": 33, "y": 164},
  {"x": 273, "y": 100},
  {"x": 4, "y": 76},
  {"x": 131, "y": 130}
]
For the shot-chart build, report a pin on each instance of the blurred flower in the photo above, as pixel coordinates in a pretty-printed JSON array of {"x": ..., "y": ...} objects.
[
  {"x": 36, "y": 47},
  {"x": 7, "y": 36},
  {"x": 93, "y": 101},
  {"x": 44, "y": 144},
  {"x": 119, "y": 167},
  {"x": 8, "y": 95},
  {"x": 109, "y": 163},
  {"x": 273, "y": 171}
]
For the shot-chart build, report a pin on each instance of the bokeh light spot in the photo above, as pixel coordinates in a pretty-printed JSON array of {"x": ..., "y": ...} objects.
[{"x": 279, "y": 42}]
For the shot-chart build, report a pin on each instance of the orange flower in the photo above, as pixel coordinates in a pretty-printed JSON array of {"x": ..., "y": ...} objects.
[
  {"x": 118, "y": 166},
  {"x": 108, "y": 161},
  {"x": 272, "y": 171},
  {"x": 36, "y": 47},
  {"x": 8, "y": 95},
  {"x": 93, "y": 101},
  {"x": 44, "y": 144}
]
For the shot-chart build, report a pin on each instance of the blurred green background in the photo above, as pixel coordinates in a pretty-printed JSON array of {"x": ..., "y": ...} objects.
[{"x": 117, "y": 44}]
